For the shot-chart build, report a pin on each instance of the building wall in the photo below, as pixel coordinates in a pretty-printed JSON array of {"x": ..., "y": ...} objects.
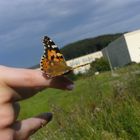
[
  {"x": 83, "y": 60},
  {"x": 133, "y": 44},
  {"x": 117, "y": 52}
]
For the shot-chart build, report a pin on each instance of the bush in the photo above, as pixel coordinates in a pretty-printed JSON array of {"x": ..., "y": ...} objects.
[
  {"x": 73, "y": 76},
  {"x": 100, "y": 65}
]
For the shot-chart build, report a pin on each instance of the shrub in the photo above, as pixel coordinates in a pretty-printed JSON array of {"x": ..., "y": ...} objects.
[
  {"x": 73, "y": 76},
  {"x": 100, "y": 65}
]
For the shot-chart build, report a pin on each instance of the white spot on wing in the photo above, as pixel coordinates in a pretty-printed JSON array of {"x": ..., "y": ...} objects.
[{"x": 54, "y": 46}]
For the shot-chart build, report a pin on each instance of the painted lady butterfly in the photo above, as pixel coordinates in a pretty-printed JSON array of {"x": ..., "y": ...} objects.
[{"x": 52, "y": 62}]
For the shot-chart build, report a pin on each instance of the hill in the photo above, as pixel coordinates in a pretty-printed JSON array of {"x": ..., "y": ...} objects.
[{"x": 86, "y": 46}]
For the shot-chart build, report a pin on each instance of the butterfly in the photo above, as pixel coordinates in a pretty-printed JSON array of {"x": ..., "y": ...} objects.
[{"x": 53, "y": 62}]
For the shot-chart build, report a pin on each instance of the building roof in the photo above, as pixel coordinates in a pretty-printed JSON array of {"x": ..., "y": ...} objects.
[{"x": 132, "y": 33}]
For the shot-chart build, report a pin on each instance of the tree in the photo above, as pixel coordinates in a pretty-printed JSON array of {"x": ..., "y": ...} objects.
[{"x": 100, "y": 65}]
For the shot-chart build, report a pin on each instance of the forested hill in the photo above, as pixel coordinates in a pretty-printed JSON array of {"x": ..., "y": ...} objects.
[{"x": 87, "y": 46}]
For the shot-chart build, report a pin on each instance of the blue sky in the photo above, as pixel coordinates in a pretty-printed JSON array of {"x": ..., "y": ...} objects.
[{"x": 23, "y": 23}]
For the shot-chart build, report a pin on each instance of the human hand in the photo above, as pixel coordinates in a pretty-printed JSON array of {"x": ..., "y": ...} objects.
[{"x": 19, "y": 84}]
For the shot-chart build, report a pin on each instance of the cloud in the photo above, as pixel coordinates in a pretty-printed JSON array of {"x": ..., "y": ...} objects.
[
  {"x": 23, "y": 23},
  {"x": 105, "y": 19}
]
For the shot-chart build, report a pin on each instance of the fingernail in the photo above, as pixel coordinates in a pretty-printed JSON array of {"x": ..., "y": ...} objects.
[
  {"x": 46, "y": 116},
  {"x": 70, "y": 87},
  {"x": 49, "y": 116}
]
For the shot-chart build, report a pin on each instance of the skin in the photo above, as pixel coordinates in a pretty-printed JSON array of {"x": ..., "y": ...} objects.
[{"x": 19, "y": 84}]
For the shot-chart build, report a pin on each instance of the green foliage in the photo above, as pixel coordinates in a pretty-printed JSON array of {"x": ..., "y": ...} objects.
[
  {"x": 99, "y": 65},
  {"x": 73, "y": 76},
  {"x": 87, "y": 46},
  {"x": 100, "y": 107}
]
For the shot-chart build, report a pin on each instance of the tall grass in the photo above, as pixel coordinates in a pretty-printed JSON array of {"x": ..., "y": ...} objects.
[{"x": 101, "y": 107}]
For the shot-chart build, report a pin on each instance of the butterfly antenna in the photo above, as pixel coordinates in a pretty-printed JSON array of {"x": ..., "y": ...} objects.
[{"x": 80, "y": 66}]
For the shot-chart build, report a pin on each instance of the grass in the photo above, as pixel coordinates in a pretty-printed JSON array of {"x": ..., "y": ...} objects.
[{"x": 101, "y": 107}]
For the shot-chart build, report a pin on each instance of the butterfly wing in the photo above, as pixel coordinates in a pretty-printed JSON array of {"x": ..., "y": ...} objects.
[{"x": 53, "y": 62}]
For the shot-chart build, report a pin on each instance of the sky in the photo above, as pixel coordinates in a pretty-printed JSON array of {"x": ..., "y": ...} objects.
[{"x": 23, "y": 23}]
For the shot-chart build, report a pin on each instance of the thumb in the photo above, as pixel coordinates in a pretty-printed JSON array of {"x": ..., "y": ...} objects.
[{"x": 26, "y": 128}]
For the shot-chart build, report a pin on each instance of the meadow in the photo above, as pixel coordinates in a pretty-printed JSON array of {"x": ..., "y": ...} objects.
[{"x": 101, "y": 107}]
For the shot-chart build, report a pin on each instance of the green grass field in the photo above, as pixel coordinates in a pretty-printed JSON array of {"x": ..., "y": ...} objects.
[{"x": 102, "y": 107}]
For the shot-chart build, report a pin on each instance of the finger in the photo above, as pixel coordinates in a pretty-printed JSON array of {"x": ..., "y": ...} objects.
[
  {"x": 26, "y": 92},
  {"x": 14, "y": 94},
  {"x": 18, "y": 78},
  {"x": 8, "y": 114},
  {"x": 27, "y": 127},
  {"x": 27, "y": 83}
]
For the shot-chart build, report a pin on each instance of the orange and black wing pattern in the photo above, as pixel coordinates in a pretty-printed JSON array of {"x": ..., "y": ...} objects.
[{"x": 52, "y": 62}]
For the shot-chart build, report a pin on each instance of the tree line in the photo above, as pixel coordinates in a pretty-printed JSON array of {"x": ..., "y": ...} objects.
[{"x": 87, "y": 46}]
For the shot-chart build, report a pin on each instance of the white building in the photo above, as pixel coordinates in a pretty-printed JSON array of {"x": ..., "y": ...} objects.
[
  {"x": 124, "y": 50},
  {"x": 83, "y": 60}
]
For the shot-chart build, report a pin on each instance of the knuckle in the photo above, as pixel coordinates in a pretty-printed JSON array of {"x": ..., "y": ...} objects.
[
  {"x": 6, "y": 95},
  {"x": 7, "y": 115}
]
